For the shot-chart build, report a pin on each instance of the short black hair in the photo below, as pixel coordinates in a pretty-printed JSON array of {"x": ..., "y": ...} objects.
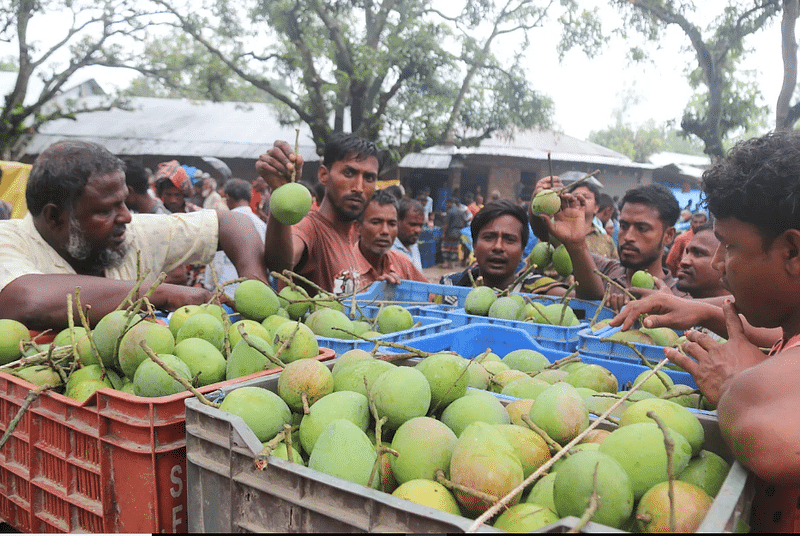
[
  {"x": 658, "y": 197},
  {"x": 407, "y": 205},
  {"x": 604, "y": 201},
  {"x": 60, "y": 173},
  {"x": 758, "y": 182},
  {"x": 136, "y": 176},
  {"x": 381, "y": 197},
  {"x": 238, "y": 190},
  {"x": 708, "y": 226},
  {"x": 493, "y": 210},
  {"x": 396, "y": 191},
  {"x": 589, "y": 186},
  {"x": 342, "y": 146}
]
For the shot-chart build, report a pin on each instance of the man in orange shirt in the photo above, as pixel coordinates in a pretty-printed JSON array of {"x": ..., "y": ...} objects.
[
  {"x": 377, "y": 228},
  {"x": 679, "y": 244}
]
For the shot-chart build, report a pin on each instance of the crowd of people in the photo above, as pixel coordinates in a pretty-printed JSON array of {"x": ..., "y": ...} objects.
[{"x": 96, "y": 222}]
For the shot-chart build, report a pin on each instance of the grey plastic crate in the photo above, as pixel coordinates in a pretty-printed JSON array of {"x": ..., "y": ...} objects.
[{"x": 227, "y": 493}]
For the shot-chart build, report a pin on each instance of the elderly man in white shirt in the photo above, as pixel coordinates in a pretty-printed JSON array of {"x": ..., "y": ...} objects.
[
  {"x": 237, "y": 196},
  {"x": 410, "y": 219}
]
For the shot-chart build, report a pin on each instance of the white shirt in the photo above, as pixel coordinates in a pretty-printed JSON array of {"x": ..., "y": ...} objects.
[
  {"x": 222, "y": 265},
  {"x": 412, "y": 251},
  {"x": 165, "y": 242}
]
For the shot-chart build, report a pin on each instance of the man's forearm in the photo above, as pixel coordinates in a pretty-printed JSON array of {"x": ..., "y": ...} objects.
[
  {"x": 590, "y": 285},
  {"x": 40, "y": 301},
  {"x": 279, "y": 246},
  {"x": 239, "y": 240}
]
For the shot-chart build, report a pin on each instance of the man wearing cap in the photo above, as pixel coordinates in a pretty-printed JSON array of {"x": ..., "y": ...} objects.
[
  {"x": 173, "y": 186},
  {"x": 80, "y": 233}
]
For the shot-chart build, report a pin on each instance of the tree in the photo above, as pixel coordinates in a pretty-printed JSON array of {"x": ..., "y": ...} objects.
[
  {"x": 401, "y": 71},
  {"x": 727, "y": 103},
  {"x": 636, "y": 144},
  {"x": 178, "y": 66},
  {"x": 786, "y": 115},
  {"x": 91, "y": 32}
]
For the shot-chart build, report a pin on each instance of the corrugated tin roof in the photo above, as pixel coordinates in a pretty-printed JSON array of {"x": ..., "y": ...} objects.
[
  {"x": 178, "y": 126},
  {"x": 665, "y": 158},
  {"x": 533, "y": 144},
  {"x": 426, "y": 161}
]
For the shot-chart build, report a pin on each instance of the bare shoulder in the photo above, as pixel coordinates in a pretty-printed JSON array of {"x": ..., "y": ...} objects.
[{"x": 759, "y": 418}]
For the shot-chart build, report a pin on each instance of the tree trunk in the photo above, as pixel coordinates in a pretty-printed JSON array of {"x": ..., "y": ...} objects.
[{"x": 784, "y": 119}]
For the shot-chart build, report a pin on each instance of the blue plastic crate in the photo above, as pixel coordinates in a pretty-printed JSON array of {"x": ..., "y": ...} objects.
[
  {"x": 627, "y": 372},
  {"x": 562, "y": 338},
  {"x": 584, "y": 309},
  {"x": 427, "y": 253},
  {"x": 413, "y": 292},
  {"x": 428, "y": 325},
  {"x": 589, "y": 344},
  {"x": 417, "y": 293},
  {"x": 472, "y": 340}
]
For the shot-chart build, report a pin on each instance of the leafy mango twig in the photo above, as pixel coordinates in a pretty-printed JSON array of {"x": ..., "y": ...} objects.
[
  {"x": 639, "y": 354},
  {"x": 29, "y": 399},
  {"x": 575, "y": 184},
  {"x": 669, "y": 445},
  {"x": 87, "y": 327},
  {"x": 449, "y": 484},
  {"x": 409, "y": 349},
  {"x": 549, "y": 463},
  {"x": 175, "y": 376},
  {"x": 602, "y": 305},
  {"x": 552, "y": 444},
  {"x": 274, "y": 359},
  {"x": 591, "y": 509},
  {"x": 612, "y": 282}
]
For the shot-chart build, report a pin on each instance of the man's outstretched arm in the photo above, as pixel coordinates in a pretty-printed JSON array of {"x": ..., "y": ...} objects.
[{"x": 40, "y": 301}]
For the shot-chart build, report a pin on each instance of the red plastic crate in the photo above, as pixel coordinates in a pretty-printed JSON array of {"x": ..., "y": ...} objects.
[{"x": 116, "y": 463}]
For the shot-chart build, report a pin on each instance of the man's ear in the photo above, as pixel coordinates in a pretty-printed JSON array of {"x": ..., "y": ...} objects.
[
  {"x": 322, "y": 175},
  {"x": 55, "y": 218},
  {"x": 669, "y": 235},
  {"x": 790, "y": 242}
]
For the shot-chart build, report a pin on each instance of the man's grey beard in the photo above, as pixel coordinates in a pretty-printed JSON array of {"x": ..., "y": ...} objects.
[{"x": 79, "y": 249}]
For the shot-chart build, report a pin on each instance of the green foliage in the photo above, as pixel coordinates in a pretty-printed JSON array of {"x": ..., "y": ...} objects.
[
  {"x": 726, "y": 102},
  {"x": 645, "y": 140},
  {"x": 91, "y": 32},
  {"x": 409, "y": 74}
]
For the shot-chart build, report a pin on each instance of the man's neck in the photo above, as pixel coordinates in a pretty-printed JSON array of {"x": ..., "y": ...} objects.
[
  {"x": 375, "y": 260},
  {"x": 327, "y": 211},
  {"x": 497, "y": 283},
  {"x": 655, "y": 269},
  {"x": 406, "y": 245}
]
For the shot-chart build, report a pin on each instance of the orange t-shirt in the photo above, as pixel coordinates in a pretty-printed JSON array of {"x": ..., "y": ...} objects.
[
  {"x": 393, "y": 261},
  {"x": 332, "y": 259}
]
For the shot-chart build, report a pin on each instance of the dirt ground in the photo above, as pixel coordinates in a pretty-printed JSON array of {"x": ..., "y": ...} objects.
[{"x": 434, "y": 273}]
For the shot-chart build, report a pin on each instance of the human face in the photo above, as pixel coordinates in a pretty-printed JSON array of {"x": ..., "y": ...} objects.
[
  {"x": 696, "y": 275},
  {"x": 641, "y": 236},
  {"x": 591, "y": 202},
  {"x": 349, "y": 184},
  {"x": 755, "y": 277},
  {"x": 97, "y": 224},
  {"x": 498, "y": 249},
  {"x": 409, "y": 228},
  {"x": 697, "y": 221},
  {"x": 173, "y": 198},
  {"x": 378, "y": 229}
]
